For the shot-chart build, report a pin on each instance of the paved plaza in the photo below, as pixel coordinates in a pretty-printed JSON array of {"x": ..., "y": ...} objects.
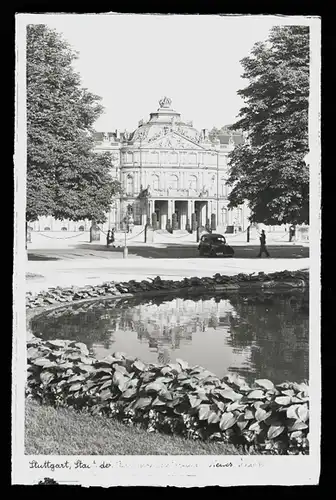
[{"x": 64, "y": 263}]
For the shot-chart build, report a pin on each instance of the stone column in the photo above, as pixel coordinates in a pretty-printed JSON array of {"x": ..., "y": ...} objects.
[
  {"x": 190, "y": 209},
  {"x": 170, "y": 209},
  {"x": 203, "y": 214},
  {"x": 151, "y": 207}
]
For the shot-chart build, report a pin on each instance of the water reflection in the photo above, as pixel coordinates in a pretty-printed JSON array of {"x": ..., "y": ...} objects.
[{"x": 259, "y": 335}]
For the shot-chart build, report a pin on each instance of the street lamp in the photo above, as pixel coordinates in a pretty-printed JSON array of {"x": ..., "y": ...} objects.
[{"x": 125, "y": 251}]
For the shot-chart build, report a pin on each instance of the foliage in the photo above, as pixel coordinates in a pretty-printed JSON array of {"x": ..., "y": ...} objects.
[
  {"x": 65, "y": 178},
  {"x": 225, "y": 130},
  {"x": 172, "y": 398},
  {"x": 269, "y": 170}
]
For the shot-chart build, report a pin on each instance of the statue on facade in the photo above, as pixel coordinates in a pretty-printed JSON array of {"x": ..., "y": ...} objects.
[
  {"x": 105, "y": 137},
  {"x": 126, "y": 135},
  {"x": 165, "y": 102},
  {"x": 200, "y": 137}
]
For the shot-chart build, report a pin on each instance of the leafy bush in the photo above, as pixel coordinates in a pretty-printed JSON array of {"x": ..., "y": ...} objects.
[{"x": 172, "y": 398}]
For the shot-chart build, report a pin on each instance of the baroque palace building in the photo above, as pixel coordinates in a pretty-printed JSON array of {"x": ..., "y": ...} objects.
[{"x": 167, "y": 167}]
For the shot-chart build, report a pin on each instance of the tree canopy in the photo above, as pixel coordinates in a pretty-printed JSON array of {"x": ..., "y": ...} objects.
[
  {"x": 65, "y": 177},
  {"x": 268, "y": 170}
]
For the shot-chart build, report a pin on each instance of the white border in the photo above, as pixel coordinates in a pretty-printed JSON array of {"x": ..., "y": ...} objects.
[{"x": 168, "y": 470}]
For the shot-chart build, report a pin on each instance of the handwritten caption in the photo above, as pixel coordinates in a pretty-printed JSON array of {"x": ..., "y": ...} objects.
[{"x": 95, "y": 464}]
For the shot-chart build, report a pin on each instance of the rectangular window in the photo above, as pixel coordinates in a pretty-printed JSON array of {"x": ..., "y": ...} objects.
[
  {"x": 163, "y": 158},
  {"x": 172, "y": 158},
  {"x": 183, "y": 158},
  {"x": 154, "y": 158},
  {"x": 222, "y": 160},
  {"x": 192, "y": 158},
  {"x": 136, "y": 157}
]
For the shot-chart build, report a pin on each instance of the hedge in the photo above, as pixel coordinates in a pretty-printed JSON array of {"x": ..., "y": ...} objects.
[{"x": 172, "y": 398}]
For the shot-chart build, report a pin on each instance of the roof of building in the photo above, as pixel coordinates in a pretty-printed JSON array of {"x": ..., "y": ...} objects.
[
  {"x": 164, "y": 119},
  {"x": 224, "y": 138}
]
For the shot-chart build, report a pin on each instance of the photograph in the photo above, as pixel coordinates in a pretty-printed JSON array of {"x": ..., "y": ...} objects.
[{"x": 166, "y": 250}]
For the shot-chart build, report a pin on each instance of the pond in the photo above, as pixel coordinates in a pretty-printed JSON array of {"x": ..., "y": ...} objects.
[{"x": 256, "y": 335}]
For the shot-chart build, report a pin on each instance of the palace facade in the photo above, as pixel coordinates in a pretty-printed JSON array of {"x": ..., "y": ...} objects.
[{"x": 167, "y": 167}]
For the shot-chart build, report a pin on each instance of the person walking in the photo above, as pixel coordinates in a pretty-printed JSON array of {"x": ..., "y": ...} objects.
[
  {"x": 291, "y": 233},
  {"x": 112, "y": 236},
  {"x": 263, "y": 248},
  {"x": 108, "y": 237}
]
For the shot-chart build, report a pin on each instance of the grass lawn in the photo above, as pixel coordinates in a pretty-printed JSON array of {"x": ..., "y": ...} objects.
[{"x": 64, "y": 431}]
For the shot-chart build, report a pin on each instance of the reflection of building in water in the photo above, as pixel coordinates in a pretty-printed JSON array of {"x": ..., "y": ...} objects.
[
  {"x": 169, "y": 324},
  {"x": 278, "y": 331}
]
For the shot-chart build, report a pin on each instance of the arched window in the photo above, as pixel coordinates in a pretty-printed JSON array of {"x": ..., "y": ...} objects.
[
  {"x": 81, "y": 228},
  {"x": 47, "y": 228},
  {"x": 173, "y": 182},
  {"x": 224, "y": 189},
  {"x": 155, "y": 181},
  {"x": 224, "y": 216},
  {"x": 129, "y": 184},
  {"x": 64, "y": 228},
  {"x": 193, "y": 182},
  {"x": 240, "y": 216}
]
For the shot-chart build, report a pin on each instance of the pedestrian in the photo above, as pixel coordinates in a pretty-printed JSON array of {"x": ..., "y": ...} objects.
[
  {"x": 248, "y": 234},
  {"x": 291, "y": 233},
  {"x": 263, "y": 248},
  {"x": 109, "y": 237},
  {"x": 112, "y": 237}
]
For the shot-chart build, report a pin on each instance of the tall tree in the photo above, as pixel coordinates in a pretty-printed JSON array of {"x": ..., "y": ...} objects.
[
  {"x": 65, "y": 177},
  {"x": 269, "y": 170}
]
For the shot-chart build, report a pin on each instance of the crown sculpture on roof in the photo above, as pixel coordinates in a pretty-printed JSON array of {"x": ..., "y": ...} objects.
[{"x": 165, "y": 102}]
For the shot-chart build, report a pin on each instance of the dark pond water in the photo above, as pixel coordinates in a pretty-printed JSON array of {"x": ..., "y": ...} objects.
[{"x": 255, "y": 335}]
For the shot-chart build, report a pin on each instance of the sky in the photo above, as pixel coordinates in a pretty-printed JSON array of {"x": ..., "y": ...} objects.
[{"x": 132, "y": 61}]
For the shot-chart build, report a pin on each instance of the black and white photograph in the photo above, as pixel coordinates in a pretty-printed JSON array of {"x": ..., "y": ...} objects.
[{"x": 166, "y": 250}]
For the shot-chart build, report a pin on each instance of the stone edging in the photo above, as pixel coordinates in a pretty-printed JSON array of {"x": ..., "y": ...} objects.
[
  {"x": 58, "y": 297},
  {"x": 67, "y": 295}
]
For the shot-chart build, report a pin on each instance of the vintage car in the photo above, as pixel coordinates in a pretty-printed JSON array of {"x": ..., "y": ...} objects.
[{"x": 214, "y": 244}]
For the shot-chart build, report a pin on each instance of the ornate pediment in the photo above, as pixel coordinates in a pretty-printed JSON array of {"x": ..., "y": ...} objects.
[{"x": 172, "y": 140}]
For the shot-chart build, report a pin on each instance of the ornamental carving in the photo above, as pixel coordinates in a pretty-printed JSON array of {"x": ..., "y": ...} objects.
[{"x": 165, "y": 102}]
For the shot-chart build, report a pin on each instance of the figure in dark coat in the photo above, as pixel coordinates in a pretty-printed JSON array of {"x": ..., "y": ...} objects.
[
  {"x": 110, "y": 237},
  {"x": 263, "y": 248},
  {"x": 291, "y": 233}
]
